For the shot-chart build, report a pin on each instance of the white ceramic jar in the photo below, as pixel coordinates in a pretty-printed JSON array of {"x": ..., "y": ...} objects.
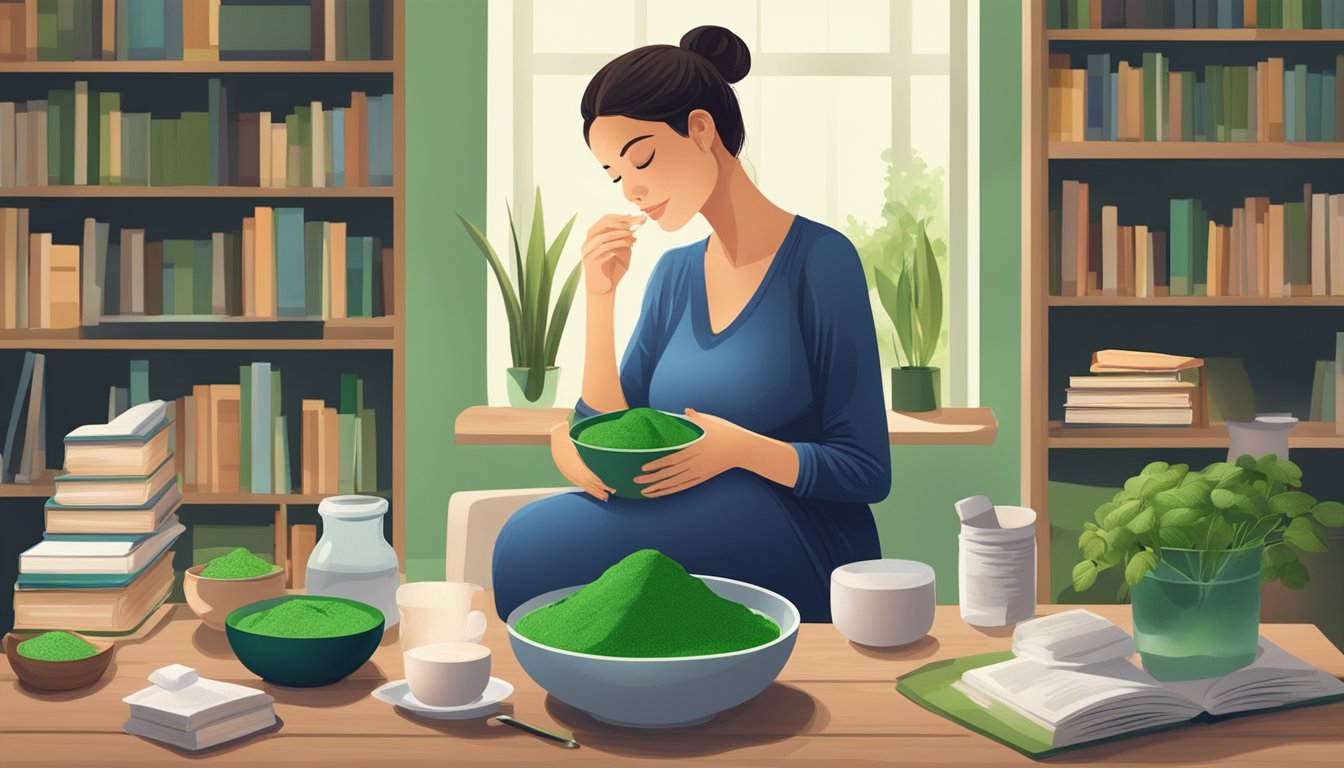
[
  {"x": 883, "y": 603},
  {"x": 353, "y": 559},
  {"x": 996, "y": 569}
]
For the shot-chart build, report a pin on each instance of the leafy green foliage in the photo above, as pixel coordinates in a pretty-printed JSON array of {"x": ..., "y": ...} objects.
[
  {"x": 534, "y": 340},
  {"x": 1225, "y": 506}
]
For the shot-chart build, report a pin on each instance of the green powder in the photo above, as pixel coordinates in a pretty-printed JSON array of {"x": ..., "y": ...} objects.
[
  {"x": 639, "y": 428},
  {"x": 302, "y": 617},
  {"x": 56, "y": 646},
  {"x": 647, "y": 606},
  {"x": 238, "y": 564}
]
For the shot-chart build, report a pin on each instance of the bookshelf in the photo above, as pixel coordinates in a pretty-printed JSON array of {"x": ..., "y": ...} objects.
[
  {"x": 365, "y": 345},
  {"x": 1168, "y": 169}
]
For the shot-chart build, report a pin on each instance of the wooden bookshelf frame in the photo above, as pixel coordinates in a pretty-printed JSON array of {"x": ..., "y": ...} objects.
[
  {"x": 385, "y": 333},
  {"x": 1039, "y": 433}
]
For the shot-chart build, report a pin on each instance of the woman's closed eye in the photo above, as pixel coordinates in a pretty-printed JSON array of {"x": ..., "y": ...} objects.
[{"x": 639, "y": 167}]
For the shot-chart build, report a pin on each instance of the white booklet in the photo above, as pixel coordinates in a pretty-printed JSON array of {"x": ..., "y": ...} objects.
[
  {"x": 1110, "y": 695},
  {"x": 196, "y": 705},
  {"x": 208, "y": 736}
]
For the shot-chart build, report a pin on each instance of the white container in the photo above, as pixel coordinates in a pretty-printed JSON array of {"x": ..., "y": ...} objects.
[
  {"x": 438, "y": 612},
  {"x": 353, "y": 559},
  {"x": 883, "y": 603},
  {"x": 447, "y": 674},
  {"x": 996, "y": 569},
  {"x": 1267, "y": 434}
]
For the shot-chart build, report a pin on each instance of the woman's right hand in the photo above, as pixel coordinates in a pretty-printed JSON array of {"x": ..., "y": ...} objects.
[
  {"x": 571, "y": 465},
  {"x": 606, "y": 252}
]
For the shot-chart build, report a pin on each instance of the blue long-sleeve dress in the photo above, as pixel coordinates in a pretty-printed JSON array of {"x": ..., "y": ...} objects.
[{"x": 799, "y": 364}]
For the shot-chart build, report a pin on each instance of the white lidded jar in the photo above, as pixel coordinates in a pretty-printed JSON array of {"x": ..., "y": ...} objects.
[
  {"x": 996, "y": 567},
  {"x": 353, "y": 560}
]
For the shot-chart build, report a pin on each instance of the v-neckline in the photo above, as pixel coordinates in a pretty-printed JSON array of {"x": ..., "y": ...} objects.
[{"x": 702, "y": 289}]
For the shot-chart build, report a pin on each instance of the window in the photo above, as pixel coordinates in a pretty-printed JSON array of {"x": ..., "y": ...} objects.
[{"x": 832, "y": 87}]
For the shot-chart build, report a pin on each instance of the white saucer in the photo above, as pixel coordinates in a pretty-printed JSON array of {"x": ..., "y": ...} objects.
[{"x": 398, "y": 692}]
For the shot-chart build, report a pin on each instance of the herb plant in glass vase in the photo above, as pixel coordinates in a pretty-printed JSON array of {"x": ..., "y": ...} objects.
[
  {"x": 914, "y": 302},
  {"x": 533, "y": 339},
  {"x": 1195, "y": 547}
]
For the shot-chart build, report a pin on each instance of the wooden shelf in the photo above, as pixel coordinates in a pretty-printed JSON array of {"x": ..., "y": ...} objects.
[
  {"x": 484, "y": 425},
  {"x": 201, "y": 67},
  {"x": 1197, "y": 301},
  {"x": 207, "y": 191},
  {"x": 190, "y": 496},
  {"x": 1197, "y": 35},
  {"x": 340, "y": 334},
  {"x": 1196, "y": 150},
  {"x": 1307, "y": 434}
]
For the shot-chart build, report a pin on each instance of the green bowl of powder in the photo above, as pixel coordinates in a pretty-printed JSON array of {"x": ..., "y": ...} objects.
[
  {"x": 617, "y": 445},
  {"x": 57, "y": 661},
  {"x": 304, "y": 640}
]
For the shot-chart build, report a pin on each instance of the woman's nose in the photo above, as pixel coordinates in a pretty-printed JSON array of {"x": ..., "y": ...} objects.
[{"x": 636, "y": 193}]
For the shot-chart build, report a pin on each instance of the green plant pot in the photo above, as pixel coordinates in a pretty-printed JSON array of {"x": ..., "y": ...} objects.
[
  {"x": 518, "y": 386},
  {"x": 302, "y": 662},
  {"x": 915, "y": 389},
  {"x": 618, "y": 467},
  {"x": 1197, "y": 614}
]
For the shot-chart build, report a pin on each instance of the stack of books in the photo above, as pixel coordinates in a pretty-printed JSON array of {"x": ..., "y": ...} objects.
[
  {"x": 1136, "y": 389},
  {"x": 105, "y": 563},
  {"x": 192, "y": 713}
]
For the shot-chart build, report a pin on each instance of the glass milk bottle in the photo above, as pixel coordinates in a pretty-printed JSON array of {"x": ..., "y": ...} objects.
[{"x": 352, "y": 559}]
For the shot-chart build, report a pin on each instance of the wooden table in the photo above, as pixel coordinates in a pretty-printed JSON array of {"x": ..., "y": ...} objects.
[{"x": 834, "y": 704}]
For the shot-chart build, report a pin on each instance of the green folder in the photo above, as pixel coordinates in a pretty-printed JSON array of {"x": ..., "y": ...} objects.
[
  {"x": 245, "y": 427},
  {"x": 312, "y": 268},
  {"x": 366, "y": 469},
  {"x": 202, "y": 277},
  {"x": 930, "y": 687},
  {"x": 193, "y": 149},
  {"x": 349, "y": 393},
  {"x": 1150, "y": 73}
]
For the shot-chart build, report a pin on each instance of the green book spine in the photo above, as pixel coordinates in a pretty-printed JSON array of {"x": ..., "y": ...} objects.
[
  {"x": 202, "y": 277},
  {"x": 1199, "y": 264},
  {"x": 60, "y": 136},
  {"x": 193, "y": 149},
  {"x": 1262, "y": 14},
  {"x": 368, "y": 452},
  {"x": 123, "y": 31},
  {"x": 46, "y": 30},
  {"x": 1082, "y": 15},
  {"x": 349, "y": 402},
  {"x": 292, "y": 167},
  {"x": 1150, "y": 72},
  {"x": 280, "y": 452},
  {"x": 158, "y": 172},
  {"x": 214, "y": 87},
  {"x": 358, "y": 30},
  {"x": 139, "y": 392},
  {"x": 304, "y": 119},
  {"x": 1180, "y": 248},
  {"x": 346, "y": 479},
  {"x": 1312, "y": 12},
  {"x": 312, "y": 268},
  {"x": 1329, "y": 398},
  {"x": 359, "y": 395},
  {"x": 1245, "y": 76},
  {"x": 245, "y": 427},
  {"x": 184, "y": 274},
  {"x": 366, "y": 285},
  {"x": 107, "y": 104},
  {"x": 1298, "y": 250},
  {"x": 275, "y": 420},
  {"x": 95, "y": 141},
  {"x": 1187, "y": 106},
  {"x": 65, "y": 30},
  {"x": 1300, "y": 100},
  {"x": 1052, "y": 16}
]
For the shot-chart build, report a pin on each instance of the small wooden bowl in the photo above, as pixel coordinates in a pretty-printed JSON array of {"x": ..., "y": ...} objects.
[
  {"x": 58, "y": 675},
  {"x": 214, "y": 599}
]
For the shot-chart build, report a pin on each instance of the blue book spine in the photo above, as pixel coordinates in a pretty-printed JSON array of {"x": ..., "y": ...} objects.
[
  {"x": 1114, "y": 124},
  {"x": 338, "y": 147},
  {"x": 366, "y": 284},
  {"x": 1313, "y": 106},
  {"x": 172, "y": 30},
  {"x": 261, "y": 428},
  {"x": 139, "y": 382},
  {"x": 1238, "y": 9},
  {"x": 1185, "y": 14},
  {"x": 169, "y": 303},
  {"x": 213, "y": 109},
  {"x": 1224, "y": 14},
  {"x": 354, "y": 275},
  {"x": 1328, "y": 107},
  {"x": 289, "y": 256},
  {"x": 146, "y": 39}
]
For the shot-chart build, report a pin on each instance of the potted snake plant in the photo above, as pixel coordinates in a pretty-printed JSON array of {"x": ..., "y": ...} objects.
[
  {"x": 534, "y": 339},
  {"x": 914, "y": 302}
]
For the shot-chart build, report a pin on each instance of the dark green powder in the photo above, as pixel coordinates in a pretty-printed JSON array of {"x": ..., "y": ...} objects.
[
  {"x": 238, "y": 564},
  {"x": 302, "y": 617},
  {"x": 647, "y": 606},
  {"x": 639, "y": 428},
  {"x": 56, "y": 646}
]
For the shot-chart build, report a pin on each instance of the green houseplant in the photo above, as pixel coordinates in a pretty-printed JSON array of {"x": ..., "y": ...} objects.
[
  {"x": 914, "y": 302},
  {"x": 1195, "y": 547},
  {"x": 533, "y": 339}
]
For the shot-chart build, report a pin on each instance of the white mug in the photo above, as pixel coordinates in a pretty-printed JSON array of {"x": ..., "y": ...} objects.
[
  {"x": 438, "y": 612},
  {"x": 447, "y": 674}
]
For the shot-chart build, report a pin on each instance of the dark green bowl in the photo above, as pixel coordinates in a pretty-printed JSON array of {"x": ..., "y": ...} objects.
[
  {"x": 619, "y": 466},
  {"x": 302, "y": 662}
]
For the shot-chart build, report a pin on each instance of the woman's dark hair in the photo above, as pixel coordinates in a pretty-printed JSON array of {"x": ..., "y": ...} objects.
[{"x": 665, "y": 83}]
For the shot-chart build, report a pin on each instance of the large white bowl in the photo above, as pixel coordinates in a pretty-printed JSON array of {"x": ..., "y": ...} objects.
[{"x": 660, "y": 692}]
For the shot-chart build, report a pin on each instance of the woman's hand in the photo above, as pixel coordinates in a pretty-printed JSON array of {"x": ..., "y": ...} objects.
[
  {"x": 571, "y": 465},
  {"x": 606, "y": 252},
  {"x": 722, "y": 448}
]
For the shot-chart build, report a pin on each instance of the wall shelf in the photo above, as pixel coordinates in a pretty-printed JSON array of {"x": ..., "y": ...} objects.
[
  {"x": 68, "y": 191},
  {"x": 1197, "y": 35},
  {"x": 199, "y": 67},
  {"x": 1307, "y": 434},
  {"x": 1195, "y": 150},
  {"x": 1197, "y": 301},
  {"x": 190, "y": 496}
]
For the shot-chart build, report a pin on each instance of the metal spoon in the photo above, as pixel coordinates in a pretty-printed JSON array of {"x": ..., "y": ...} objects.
[{"x": 568, "y": 742}]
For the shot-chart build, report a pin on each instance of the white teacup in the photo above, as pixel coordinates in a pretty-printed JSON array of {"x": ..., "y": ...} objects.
[
  {"x": 438, "y": 612},
  {"x": 447, "y": 674},
  {"x": 883, "y": 603}
]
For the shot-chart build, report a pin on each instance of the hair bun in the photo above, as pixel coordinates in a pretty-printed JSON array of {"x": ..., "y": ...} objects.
[{"x": 725, "y": 50}]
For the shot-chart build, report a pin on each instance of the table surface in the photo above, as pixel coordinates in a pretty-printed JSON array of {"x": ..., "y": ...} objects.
[{"x": 834, "y": 702}]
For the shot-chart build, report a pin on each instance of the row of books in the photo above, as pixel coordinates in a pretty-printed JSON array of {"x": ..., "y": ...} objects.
[
  {"x": 1267, "y": 250},
  {"x": 195, "y": 30},
  {"x": 1194, "y": 14},
  {"x": 25, "y": 449},
  {"x": 1269, "y": 101},
  {"x": 105, "y": 563},
  {"x": 1128, "y": 388},
  {"x": 77, "y": 136},
  {"x": 278, "y": 265}
]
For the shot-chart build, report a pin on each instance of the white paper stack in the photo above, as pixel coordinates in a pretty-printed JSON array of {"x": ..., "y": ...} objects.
[{"x": 193, "y": 713}]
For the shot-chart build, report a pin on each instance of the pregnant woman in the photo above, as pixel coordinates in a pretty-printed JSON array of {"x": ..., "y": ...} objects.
[{"x": 761, "y": 334}]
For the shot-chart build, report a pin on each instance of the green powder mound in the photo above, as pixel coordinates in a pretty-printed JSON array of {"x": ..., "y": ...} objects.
[
  {"x": 647, "y": 606},
  {"x": 56, "y": 646},
  {"x": 238, "y": 564},
  {"x": 639, "y": 428},
  {"x": 308, "y": 618}
]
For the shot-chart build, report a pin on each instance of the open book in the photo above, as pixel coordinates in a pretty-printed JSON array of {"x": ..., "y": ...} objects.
[{"x": 1071, "y": 682}]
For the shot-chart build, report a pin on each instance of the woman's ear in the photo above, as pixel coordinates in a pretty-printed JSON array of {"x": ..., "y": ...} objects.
[{"x": 700, "y": 128}]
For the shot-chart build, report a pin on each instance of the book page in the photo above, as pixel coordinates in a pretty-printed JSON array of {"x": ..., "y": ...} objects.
[{"x": 1276, "y": 678}]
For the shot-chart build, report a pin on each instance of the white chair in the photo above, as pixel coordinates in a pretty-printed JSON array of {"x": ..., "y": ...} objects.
[{"x": 475, "y": 519}]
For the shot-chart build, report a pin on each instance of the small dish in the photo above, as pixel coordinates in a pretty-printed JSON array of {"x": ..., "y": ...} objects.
[
  {"x": 212, "y": 600},
  {"x": 58, "y": 675},
  {"x": 398, "y": 693}
]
